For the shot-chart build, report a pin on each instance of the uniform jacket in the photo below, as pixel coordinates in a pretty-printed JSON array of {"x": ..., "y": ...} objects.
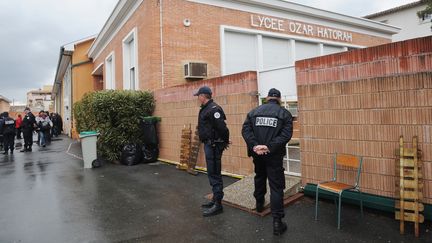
[
  {"x": 211, "y": 124},
  {"x": 270, "y": 125},
  {"x": 28, "y": 122},
  {"x": 9, "y": 126}
]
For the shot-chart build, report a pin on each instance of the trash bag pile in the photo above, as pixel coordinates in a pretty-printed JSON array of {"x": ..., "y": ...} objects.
[
  {"x": 131, "y": 154},
  {"x": 148, "y": 152}
]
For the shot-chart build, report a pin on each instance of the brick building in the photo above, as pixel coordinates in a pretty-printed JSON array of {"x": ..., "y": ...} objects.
[
  {"x": 73, "y": 79},
  {"x": 4, "y": 104},
  {"x": 154, "y": 45},
  {"x": 40, "y": 99}
]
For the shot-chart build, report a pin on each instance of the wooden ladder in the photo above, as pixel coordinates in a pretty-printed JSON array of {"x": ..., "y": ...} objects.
[{"x": 409, "y": 186}]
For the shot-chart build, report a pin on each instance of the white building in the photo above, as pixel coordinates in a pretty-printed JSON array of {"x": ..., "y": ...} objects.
[
  {"x": 406, "y": 18},
  {"x": 40, "y": 99}
]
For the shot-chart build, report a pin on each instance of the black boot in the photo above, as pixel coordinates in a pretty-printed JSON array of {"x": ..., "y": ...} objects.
[
  {"x": 279, "y": 227},
  {"x": 208, "y": 204},
  {"x": 214, "y": 210},
  {"x": 5, "y": 152},
  {"x": 259, "y": 206},
  {"x": 12, "y": 151}
]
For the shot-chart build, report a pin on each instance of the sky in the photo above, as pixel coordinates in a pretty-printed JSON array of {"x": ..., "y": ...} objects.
[{"x": 32, "y": 32}]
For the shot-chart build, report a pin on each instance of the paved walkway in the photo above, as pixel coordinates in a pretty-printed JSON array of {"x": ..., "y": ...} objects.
[{"x": 46, "y": 196}]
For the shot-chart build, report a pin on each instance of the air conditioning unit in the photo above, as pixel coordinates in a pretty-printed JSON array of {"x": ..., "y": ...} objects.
[{"x": 195, "y": 70}]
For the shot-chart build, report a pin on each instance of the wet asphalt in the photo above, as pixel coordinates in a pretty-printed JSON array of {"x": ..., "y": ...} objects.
[{"x": 46, "y": 196}]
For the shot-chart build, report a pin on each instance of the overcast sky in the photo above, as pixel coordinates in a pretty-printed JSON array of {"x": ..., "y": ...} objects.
[{"x": 32, "y": 31}]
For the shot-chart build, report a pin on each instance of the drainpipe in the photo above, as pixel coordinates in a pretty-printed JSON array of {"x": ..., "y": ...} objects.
[
  {"x": 71, "y": 93},
  {"x": 161, "y": 43}
]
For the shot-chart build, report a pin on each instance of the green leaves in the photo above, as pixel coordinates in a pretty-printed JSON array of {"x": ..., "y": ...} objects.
[{"x": 115, "y": 114}]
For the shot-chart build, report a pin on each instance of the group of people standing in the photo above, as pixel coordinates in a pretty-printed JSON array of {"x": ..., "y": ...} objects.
[
  {"x": 45, "y": 124},
  {"x": 266, "y": 130}
]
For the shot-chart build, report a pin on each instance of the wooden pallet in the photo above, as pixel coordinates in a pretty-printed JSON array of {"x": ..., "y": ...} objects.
[
  {"x": 185, "y": 146},
  {"x": 193, "y": 158},
  {"x": 189, "y": 148},
  {"x": 409, "y": 186}
]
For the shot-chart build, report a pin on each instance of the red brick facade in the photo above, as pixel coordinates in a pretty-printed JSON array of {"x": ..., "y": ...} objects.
[
  {"x": 199, "y": 42},
  {"x": 360, "y": 102}
]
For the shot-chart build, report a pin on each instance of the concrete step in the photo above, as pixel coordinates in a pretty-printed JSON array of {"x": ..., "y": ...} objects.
[{"x": 240, "y": 193}]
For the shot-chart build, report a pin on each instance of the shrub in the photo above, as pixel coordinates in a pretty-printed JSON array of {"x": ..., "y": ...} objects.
[{"x": 116, "y": 115}]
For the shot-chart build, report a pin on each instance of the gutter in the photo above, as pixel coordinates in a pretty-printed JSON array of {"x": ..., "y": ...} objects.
[
  {"x": 81, "y": 63},
  {"x": 54, "y": 91}
]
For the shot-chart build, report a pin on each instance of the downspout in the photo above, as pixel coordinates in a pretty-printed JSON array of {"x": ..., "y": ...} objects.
[
  {"x": 55, "y": 78},
  {"x": 161, "y": 43},
  {"x": 71, "y": 92}
]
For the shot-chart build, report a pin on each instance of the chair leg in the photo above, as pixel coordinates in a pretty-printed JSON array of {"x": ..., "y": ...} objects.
[
  {"x": 316, "y": 203},
  {"x": 335, "y": 199},
  {"x": 339, "y": 209},
  {"x": 361, "y": 204}
]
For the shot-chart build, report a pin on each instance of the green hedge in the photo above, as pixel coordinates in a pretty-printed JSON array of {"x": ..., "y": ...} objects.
[{"x": 115, "y": 114}]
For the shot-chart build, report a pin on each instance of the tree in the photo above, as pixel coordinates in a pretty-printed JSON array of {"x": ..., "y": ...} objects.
[{"x": 422, "y": 13}]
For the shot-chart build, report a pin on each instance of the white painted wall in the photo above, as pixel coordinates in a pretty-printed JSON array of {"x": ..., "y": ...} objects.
[
  {"x": 412, "y": 26},
  {"x": 67, "y": 100}
]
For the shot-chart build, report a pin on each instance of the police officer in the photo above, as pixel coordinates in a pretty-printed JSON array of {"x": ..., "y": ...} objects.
[
  {"x": 266, "y": 131},
  {"x": 28, "y": 125},
  {"x": 8, "y": 133},
  {"x": 214, "y": 133},
  {"x": 1, "y": 130}
]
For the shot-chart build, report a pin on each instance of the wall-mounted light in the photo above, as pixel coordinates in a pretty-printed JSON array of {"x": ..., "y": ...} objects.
[{"x": 186, "y": 22}]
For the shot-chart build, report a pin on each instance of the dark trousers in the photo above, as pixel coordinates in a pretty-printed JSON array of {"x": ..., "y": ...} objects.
[
  {"x": 213, "y": 155},
  {"x": 28, "y": 138},
  {"x": 18, "y": 133},
  {"x": 271, "y": 168},
  {"x": 9, "y": 140}
]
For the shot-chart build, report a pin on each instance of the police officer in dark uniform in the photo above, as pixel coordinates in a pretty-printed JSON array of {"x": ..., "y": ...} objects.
[
  {"x": 8, "y": 133},
  {"x": 28, "y": 125},
  {"x": 266, "y": 131},
  {"x": 214, "y": 133},
  {"x": 1, "y": 130}
]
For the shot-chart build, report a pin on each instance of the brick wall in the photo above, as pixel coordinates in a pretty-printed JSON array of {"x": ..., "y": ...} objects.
[
  {"x": 360, "y": 102},
  {"x": 177, "y": 106}
]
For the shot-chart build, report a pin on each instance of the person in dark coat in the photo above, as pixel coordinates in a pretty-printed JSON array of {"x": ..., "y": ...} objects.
[
  {"x": 266, "y": 131},
  {"x": 214, "y": 133},
  {"x": 57, "y": 124},
  {"x": 8, "y": 133},
  {"x": 28, "y": 126},
  {"x": 1, "y": 130}
]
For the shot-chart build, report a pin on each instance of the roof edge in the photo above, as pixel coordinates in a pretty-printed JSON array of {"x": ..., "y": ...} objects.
[
  {"x": 120, "y": 14},
  {"x": 395, "y": 9}
]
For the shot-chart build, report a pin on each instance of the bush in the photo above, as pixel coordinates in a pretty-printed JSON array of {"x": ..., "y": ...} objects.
[{"x": 116, "y": 115}]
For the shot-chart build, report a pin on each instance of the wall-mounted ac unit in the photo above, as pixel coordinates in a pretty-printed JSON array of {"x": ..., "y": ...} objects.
[{"x": 195, "y": 70}]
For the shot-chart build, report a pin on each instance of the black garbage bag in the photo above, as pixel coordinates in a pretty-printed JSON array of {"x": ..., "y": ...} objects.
[
  {"x": 150, "y": 153},
  {"x": 148, "y": 127},
  {"x": 131, "y": 154}
]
